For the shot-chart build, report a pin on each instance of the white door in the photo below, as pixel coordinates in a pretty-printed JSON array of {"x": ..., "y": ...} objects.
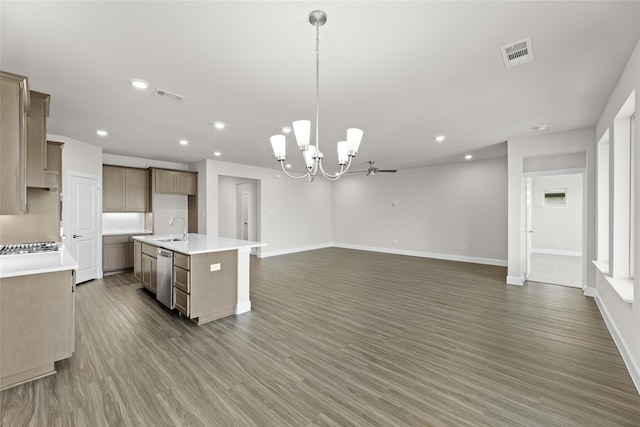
[
  {"x": 83, "y": 233},
  {"x": 242, "y": 211},
  {"x": 528, "y": 228}
]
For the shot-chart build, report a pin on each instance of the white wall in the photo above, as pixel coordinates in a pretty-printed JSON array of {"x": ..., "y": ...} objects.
[
  {"x": 453, "y": 211},
  {"x": 623, "y": 318},
  {"x": 294, "y": 214},
  {"x": 553, "y": 144},
  {"x": 557, "y": 229}
]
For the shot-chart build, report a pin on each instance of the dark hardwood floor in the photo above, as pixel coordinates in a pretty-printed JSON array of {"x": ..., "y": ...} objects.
[{"x": 340, "y": 337}]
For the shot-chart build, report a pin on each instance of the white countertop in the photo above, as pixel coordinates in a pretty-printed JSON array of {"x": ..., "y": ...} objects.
[
  {"x": 125, "y": 232},
  {"x": 47, "y": 262},
  {"x": 198, "y": 243}
]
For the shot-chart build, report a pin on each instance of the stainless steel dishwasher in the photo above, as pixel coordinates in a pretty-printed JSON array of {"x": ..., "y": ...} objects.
[{"x": 164, "y": 291}]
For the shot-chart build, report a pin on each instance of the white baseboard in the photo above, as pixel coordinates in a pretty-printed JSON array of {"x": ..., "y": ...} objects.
[
  {"x": 264, "y": 254},
  {"x": 633, "y": 369},
  {"x": 556, "y": 252},
  {"x": 474, "y": 260},
  {"x": 243, "y": 307},
  {"x": 590, "y": 292},
  {"x": 515, "y": 280}
]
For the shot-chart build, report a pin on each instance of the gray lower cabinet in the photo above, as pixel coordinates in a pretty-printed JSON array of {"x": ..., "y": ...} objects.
[
  {"x": 117, "y": 253},
  {"x": 37, "y": 325},
  {"x": 149, "y": 267}
]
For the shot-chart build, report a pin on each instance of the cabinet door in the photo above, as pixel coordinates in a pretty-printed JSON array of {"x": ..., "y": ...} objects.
[
  {"x": 14, "y": 110},
  {"x": 153, "y": 278},
  {"x": 113, "y": 179},
  {"x": 187, "y": 183},
  {"x": 165, "y": 181},
  {"x": 137, "y": 260},
  {"x": 116, "y": 257},
  {"x": 136, "y": 190},
  {"x": 149, "y": 272},
  {"x": 37, "y": 139},
  {"x": 35, "y": 315}
]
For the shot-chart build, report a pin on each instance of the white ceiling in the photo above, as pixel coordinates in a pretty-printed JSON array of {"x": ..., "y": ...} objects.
[{"x": 402, "y": 71}]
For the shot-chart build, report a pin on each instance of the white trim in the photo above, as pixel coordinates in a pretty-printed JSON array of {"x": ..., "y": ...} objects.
[
  {"x": 633, "y": 369},
  {"x": 264, "y": 254},
  {"x": 514, "y": 280},
  {"x": 555, "y": 252},
  {"x": 243, "y": 307},
  {"x": 569, "y": 171},
  {"x": 474, "y": 260},
  {"x": 590, "y": 292}
]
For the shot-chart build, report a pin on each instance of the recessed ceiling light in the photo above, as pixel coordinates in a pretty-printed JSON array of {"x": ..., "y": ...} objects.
[
  {"x": 288, "y": 166},
  {"x": 439, "y": 138},
  {"x": 139, "y": 84},
  {"x": 102, "y": 132},
  {"x": 540, "y": 127},
  {"x": 183, "y": 142},
  {"x": 218, "y": 125},
  {"x": 217, "y": 153},
  {"x": 468, "y": 157},
  {"x": 286, "y": 129}
]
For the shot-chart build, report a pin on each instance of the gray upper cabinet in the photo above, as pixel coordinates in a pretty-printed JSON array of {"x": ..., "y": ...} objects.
[
  {"x": 124, "y": 189},
  {"x": 166, "y": 181},
  {"x": 14, "y": 111},
  {"x": 37, "y": 141}
]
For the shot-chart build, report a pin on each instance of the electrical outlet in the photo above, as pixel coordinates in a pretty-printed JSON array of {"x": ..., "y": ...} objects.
[{"x": 215, "y": 267}]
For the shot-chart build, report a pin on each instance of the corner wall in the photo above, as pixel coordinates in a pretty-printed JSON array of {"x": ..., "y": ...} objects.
[{"x": 295, "y": 215}]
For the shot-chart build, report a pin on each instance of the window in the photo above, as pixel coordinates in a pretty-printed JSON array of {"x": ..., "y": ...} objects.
[
  {"x": 603, "y": 201},
  {"x": 622, "y": 251},
  {"x": 555, "y": 197},
  {"x": 632, "y": 201}
]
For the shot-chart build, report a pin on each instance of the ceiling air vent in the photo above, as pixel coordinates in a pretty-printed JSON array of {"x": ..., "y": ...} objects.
[
  {"x": 517, "y": 53},
  {"x": 169, "y": 95}
]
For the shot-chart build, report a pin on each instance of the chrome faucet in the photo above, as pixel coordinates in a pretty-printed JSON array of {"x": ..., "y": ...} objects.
[{"x": 173, "y": 223}]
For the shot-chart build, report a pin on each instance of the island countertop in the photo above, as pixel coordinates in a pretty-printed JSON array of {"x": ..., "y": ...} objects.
[
  {"x": 197, "y": 243},
  {"x": 47, "y": 262}
]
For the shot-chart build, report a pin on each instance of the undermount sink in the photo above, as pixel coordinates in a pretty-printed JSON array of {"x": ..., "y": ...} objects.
[{"x": 169, "y": 240}]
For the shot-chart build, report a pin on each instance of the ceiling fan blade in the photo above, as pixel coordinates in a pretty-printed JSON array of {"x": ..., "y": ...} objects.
[{"x": 387, "y": 170}]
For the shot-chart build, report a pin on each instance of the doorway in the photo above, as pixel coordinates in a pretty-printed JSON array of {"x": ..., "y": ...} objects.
[
  {"x": 238, "y": 208},
  {"x": 84, "y": 230},
  {"x": 555, "y": 227}
]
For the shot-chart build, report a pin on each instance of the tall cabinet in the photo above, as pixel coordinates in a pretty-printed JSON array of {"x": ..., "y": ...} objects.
[{"x": 14, "y": 111}]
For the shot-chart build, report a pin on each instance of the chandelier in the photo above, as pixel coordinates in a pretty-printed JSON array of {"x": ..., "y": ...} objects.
[{"x": 302, "y": 129}]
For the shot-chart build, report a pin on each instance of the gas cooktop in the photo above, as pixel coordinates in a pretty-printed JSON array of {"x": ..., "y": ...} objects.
[{"x": 29, "y": 248}]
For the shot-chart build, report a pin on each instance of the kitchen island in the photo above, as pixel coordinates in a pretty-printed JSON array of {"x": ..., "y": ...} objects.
[
  {"x": 37, "y": 314},
  {"x": 209, "y": 275}
]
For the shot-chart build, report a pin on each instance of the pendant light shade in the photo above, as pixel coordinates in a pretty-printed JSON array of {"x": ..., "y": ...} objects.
[
  {"x": 302, "y": 130},
  {"x": 343, "y": 153},
  {"x": 354, "y": 136},
  {"x": 279, "y": 146}
]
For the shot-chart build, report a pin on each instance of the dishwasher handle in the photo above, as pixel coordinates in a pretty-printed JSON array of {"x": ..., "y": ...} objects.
[{"x": 165, "y": 254}]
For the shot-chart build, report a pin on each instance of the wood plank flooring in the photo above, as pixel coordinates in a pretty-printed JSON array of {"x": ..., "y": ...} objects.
[{"x": 337, "y": 338}]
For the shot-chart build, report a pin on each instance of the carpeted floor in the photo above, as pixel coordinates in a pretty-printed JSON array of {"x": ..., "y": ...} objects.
[{"x": 556, "y": 269}]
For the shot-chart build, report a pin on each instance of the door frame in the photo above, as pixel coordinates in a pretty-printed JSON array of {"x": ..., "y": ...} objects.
[
  {"x": 526, "y": 203},
  {"x": 98, "y": 210}
]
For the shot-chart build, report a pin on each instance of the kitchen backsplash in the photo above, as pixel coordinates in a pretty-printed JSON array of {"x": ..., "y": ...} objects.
[{"x": 113, "y": 222}]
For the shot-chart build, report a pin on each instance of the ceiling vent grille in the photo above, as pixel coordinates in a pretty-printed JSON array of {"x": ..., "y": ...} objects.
[
  {"x": 517, "y": 53},
  {"x": 169, "y": 95}
]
